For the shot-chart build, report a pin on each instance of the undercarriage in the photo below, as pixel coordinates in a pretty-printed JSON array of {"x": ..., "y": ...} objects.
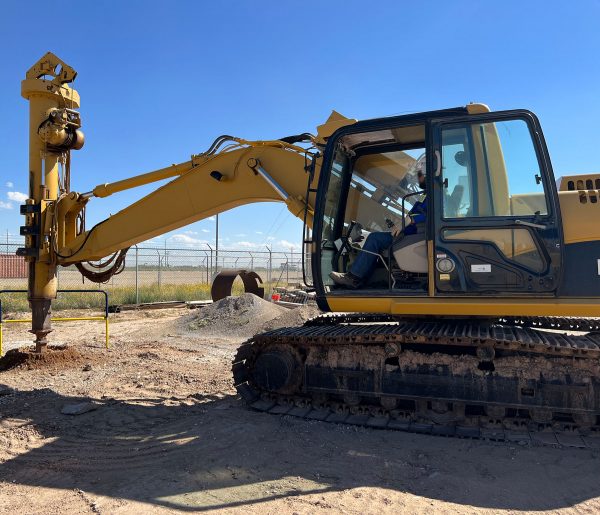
[{"x": 518, "y": 379}]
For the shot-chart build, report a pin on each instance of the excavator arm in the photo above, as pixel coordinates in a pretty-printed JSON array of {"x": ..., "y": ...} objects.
[{"x": 231, "y": 173}]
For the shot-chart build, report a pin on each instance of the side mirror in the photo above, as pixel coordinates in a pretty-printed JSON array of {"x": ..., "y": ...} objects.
[{"x": 461, "y": 158}]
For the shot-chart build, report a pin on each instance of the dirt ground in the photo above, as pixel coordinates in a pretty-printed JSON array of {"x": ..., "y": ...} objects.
[{"x": 168, "y": 434}]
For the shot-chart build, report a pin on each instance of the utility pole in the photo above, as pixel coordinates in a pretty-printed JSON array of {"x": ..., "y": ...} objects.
[{"x": 217, "y": 246}]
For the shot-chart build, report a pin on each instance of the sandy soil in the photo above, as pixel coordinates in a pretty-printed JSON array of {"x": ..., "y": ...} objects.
[{"x": 168, "y": 434}]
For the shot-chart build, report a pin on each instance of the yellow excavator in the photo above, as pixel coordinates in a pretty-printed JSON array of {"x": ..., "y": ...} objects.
[{"x": 481, "y": 320}]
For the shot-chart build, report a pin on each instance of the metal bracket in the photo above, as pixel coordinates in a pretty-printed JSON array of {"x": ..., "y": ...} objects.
[
  {"x": 30, "y": 209},
  {"x": 52, "y": 66},
  {"x": 27, "y": 252},
  {"x": 29, "y": 230}
]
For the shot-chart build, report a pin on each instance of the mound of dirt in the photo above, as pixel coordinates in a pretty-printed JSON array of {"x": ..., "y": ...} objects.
[
  {"x": 242, "y": 316},
  {"x": 56, "y": 357}
]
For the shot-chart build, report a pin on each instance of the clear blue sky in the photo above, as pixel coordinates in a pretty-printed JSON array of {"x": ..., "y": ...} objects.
[{"x": 159, "y": 80}]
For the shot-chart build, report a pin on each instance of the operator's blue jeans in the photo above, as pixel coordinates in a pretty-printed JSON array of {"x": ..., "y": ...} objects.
[{"x": 365, "y": 262}]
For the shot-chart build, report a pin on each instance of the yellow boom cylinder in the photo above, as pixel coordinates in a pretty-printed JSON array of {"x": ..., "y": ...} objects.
[{"x": 104, "y": 190}]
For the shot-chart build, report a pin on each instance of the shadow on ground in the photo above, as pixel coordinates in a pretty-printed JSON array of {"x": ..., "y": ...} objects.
[{"x": 208, "y": 453}]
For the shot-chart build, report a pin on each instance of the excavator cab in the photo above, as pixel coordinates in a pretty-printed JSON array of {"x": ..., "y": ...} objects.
[{"x": 492, "y": 224}]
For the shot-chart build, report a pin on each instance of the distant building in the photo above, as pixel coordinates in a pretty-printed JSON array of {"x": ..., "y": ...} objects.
[{"x": 12, "y": 267}]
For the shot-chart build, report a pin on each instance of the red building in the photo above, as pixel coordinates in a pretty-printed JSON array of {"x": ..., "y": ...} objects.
[{"x": 12, "y": 267}]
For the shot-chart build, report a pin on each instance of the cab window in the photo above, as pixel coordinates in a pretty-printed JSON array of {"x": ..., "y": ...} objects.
[
  {"x": 491, "y": 169},
  {"x": 373, "y": 185},
  {"x": 378, "y": 184}
]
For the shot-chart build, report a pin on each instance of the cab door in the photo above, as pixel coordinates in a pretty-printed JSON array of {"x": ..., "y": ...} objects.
[{"x": 496, "y": 219}]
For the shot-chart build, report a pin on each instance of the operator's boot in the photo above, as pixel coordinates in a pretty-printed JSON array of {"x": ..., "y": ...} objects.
[{"x": 347, "y": 280}]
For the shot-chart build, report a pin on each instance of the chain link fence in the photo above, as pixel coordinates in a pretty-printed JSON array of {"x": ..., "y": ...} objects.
[{"x": 161, "y": 273}]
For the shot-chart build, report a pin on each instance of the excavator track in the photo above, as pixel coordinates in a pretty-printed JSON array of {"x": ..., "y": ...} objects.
[
  {"x": 555, "y": 323},
  {"x": 496, "y": 380}
]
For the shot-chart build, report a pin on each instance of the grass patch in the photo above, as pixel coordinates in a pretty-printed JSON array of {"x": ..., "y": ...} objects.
[{"x": 12, "y": 302}]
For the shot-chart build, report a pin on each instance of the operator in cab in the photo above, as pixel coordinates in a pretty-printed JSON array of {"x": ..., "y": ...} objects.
[{"x": 377, "y": 242}]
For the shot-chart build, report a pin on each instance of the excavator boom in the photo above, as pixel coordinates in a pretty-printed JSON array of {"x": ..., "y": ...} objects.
[{"x": 200, "y": 188}]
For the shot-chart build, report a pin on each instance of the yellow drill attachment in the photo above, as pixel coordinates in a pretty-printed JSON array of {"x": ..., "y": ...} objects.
[{"x": 53, "y": 133}]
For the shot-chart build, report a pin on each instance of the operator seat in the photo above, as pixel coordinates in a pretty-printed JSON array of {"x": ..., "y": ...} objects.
[{"x": 410, "y": 251}]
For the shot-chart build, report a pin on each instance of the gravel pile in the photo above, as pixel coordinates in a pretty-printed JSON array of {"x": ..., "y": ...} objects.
[
  {"x": 234, "y": 316},
  {"x": 244, "y": 316},
  {"x": 292, "y": 318}
]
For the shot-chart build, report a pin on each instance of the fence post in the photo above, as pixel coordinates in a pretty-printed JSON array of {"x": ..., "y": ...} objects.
[
  {"x": 137, "y": 287},
  {"x": 270, "y": 272},
  {"x": 211, "y": 259},
  {"x": 159, "y": 260}
]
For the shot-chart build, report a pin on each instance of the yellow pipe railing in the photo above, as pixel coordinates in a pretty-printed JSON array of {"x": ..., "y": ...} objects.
[{"x": 58, "y": 319}]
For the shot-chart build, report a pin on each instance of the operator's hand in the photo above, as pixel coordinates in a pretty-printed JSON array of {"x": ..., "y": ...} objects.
[{"x": 396, "y": 230}]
